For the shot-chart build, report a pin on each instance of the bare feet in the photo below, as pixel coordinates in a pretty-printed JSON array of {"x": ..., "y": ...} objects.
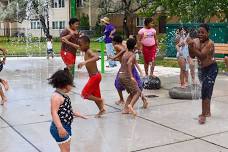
[
  {"x": 125, "y": 111},
  {"x": 202, "y": 119},
  {"x": 153, "y": 76},
  {"x": 131, "y": 110},
  {"x": 206, "y": 115},
  {"x": 183, "y": 86},
  {"x": 186, "y": 84},
  {"x": 100, "y": 113},
  {"x": 120, "y": 102},
  {"x": 145, "y": 103},
  {"x": 4, "y": 99},
  {"x": 194, "y": 82},
  {"x": 5, "y": 84}
]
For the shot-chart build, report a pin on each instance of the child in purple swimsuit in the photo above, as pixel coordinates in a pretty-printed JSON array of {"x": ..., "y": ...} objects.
[{"x": 121, "y": 49}]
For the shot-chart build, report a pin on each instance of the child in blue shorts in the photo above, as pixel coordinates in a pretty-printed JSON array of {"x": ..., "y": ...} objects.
[{"x": 61, "y": 109}]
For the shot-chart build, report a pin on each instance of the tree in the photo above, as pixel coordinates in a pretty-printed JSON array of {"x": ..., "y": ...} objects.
[
  {"x": 84, "y": 22},
  {"x": 126, "y": 7},
  {"x": 13, "y": 12},
  {"x": 20, "y": 10},
  {"x": 191, "y": 11}
]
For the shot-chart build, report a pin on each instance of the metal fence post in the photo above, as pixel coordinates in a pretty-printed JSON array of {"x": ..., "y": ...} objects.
[
  {"x": 73, "y": 8},
  {"x": 102, "y": 45}
]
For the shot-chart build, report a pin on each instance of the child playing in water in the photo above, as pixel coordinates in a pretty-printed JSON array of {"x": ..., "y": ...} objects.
[
  {"x": 50, "y": 51},
  {"x": 91, "y": 90},
  {"x": 184, "y": 59},
  {"x": 127, "y": 79},
  {"x": 61, "y": 109},
  {"x": 2, "y": 81},
  {"x": 120, "y": 50},
  {"x": 204, "y": 51}
]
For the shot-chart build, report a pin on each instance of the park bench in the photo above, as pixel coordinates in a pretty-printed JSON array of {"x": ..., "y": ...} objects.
[{"x": 221, "y": 50}]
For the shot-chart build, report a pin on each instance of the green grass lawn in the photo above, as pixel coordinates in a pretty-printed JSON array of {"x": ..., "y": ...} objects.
[
  {"x": 173, "y": 63},
  {"x": 35, "y": 48}
]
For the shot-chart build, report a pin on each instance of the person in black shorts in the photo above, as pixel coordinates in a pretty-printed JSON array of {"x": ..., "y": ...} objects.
[{"x": 204, "y": 51}]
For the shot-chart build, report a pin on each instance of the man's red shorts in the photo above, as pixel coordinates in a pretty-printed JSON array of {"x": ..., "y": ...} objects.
[
  {"x": 149, "y": 53},
  {"x": 92, "y": 87},
  {"x": 68, "y": 57}
]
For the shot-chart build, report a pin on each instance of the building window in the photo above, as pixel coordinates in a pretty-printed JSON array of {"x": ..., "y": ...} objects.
[
  {"x": 79, "y": 3},
  {"x": 57, "y": 3},
  {"x": 140, "y": 21},
  {"x": 58, "y": 24},
  {"x": 61, "y": 24},
  {"x": 35, "y": 24},
  {"x": 55, "y": 25}
]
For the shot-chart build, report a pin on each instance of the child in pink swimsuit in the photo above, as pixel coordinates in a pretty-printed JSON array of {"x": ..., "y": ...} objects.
[{"x": 148, "y": 43}]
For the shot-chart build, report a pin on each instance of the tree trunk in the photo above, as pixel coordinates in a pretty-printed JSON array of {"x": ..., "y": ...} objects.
[
  {"x": 42, "y": 20},
  {"x": 45, "y": 28},
  {"x": 131, "y": 18},
  {"x": 125, "y": 26}
]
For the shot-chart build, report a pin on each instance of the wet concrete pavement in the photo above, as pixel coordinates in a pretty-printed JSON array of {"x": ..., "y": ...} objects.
[{"x": 168, "y": 125}]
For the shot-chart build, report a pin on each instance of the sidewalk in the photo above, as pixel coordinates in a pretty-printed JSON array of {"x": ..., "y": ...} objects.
[{"x": 168, "y": 125}]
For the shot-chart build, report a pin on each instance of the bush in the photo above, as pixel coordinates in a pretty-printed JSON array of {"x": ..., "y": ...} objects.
[
  {"x": 56, "y": 39},
  {"x": 84, "y": 22},
  {"x": 162, "y": 46},
  {"x": 98, "y": 29}
]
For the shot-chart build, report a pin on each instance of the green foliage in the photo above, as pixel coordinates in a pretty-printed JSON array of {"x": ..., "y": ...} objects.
[
  {"x": 191, "y": 11},
  {"x": 162, "y": 45},
  {"x": 20, "y": 10},
  {"x": 33, "y": 46},
  {"x": 14, "y": 11},
  {"x": 84, "y": 22},
  {"x": 98, "y": 29}
]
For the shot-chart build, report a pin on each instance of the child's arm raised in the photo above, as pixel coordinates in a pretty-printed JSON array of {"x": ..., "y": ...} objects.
[
  {"x": 93, "y": 58},
  {"x": 179, "y": 43},
  {"x": 56, "y": 101}
]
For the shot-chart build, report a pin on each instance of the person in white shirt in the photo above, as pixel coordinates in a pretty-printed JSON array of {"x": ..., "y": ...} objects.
[{"x": 50, "y": 47}]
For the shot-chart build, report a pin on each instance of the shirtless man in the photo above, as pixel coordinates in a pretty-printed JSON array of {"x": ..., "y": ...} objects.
[
  {"x": 203, "y": 49},
  {"x": 127, "y": 79},
  {"x": 91, "y": 90}
]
